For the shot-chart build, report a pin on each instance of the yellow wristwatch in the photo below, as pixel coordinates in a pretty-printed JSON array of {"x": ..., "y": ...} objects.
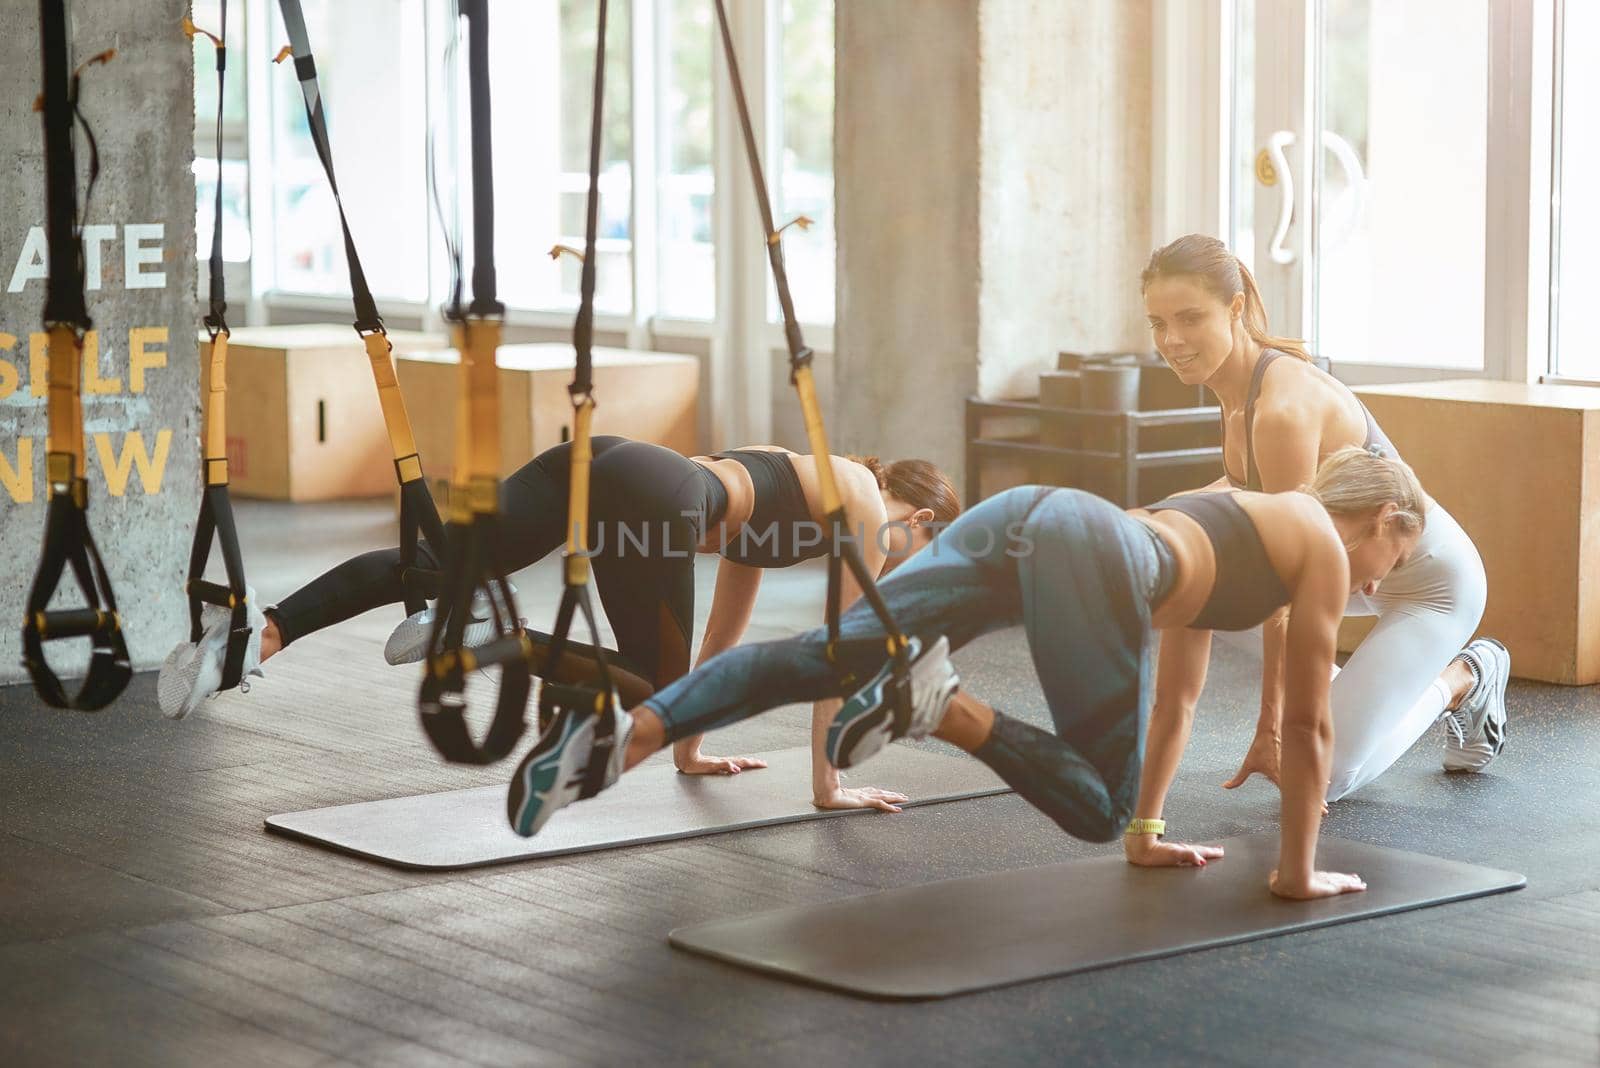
[{"x": 1137, "y": 827}]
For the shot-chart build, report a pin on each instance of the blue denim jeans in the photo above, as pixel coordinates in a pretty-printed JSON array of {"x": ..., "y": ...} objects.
[{"x": 1080, "y": 576}]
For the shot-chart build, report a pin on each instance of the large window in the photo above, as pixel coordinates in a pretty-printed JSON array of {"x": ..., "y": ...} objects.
[
  {"x": 235, "y": 169},
  {"x": 1363, "y": 163},
  {"x": 1576, "y": 271},
  {"x": 542, "y": 56},
  {"x": 1403, "y": 190},
  {"x": 386, "y": 96},
  {"x": 686, "y": 182},
  {"x": 370, "y": 66},
  {"x": 806, "y": 178}
]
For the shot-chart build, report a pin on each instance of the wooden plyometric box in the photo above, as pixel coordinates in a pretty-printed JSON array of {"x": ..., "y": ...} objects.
[
  {"x": 304, "y": 422},
  {"x": 646, "y": 396},
  {"x": 1519, "y": 467}
]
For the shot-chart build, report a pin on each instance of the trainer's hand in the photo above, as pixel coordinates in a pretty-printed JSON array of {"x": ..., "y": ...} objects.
[
  {"x": 1147, "y": 851},
  {"x": 1262, "y": 759},
  {"x": 860, "y": 797},
  {"x": 696, "y": 764},
  {"x": 1321, "y": 884}
]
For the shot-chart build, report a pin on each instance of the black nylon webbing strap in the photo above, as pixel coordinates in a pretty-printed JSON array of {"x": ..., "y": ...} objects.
[
  {"x": 305, "y": 67},
  {"x": 800, "y": 359},
  {"x": 215, "y": 521},
  {"x": 470, "y": 563},
  {"x": 575, "y": 572},
  {"x": 67, "y": 541},
  {"x": 418, "y": 512}
]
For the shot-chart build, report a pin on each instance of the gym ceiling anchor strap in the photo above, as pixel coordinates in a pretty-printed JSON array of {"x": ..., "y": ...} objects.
[
  {"x": 575, "y": 561},
  {"x": 418, "y": 513},
  {"x": 800, "y": 376},
  {"x": 216, "y": 507},
  {"x": 475, "y": 492},
  {"x": 67, "y": 540}
]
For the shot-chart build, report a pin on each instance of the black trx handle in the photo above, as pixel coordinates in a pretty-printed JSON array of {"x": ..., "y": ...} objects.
[
  {"x": 474, "y": 500},
  {"x": 442, "y": 700},
  {"x": 67, "y": 540},
  {"x": 800, "y": 375},
  {"x": 418, "y": 513},
  {"x": 215, "y": 522}
]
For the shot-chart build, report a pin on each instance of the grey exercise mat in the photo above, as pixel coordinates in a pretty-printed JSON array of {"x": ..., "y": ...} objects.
[
  {"x": 962, "y": 935},
  {"x": 468, "y": 828}
]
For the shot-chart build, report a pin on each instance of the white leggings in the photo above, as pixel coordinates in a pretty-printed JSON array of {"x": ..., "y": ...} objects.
[{"x": 1389, "y": 692}]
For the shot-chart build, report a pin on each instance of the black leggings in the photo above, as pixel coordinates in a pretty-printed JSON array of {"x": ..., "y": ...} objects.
[{"x": 648, "y": 506}]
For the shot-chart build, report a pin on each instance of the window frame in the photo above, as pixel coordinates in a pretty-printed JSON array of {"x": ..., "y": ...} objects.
[
  {"x": 742, "y": 277},
  {"x": 1193, "y": 110}
]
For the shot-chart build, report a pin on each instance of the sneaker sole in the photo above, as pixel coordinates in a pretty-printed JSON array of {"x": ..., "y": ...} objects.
[
  {"x": 415, "y": 650},
  {"x": 1494, "y": 727},
  {"x": 547, "y": 780},
  {"x": 863, "y": 726}
]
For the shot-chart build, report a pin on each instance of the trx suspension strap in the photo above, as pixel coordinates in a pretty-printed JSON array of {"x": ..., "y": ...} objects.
[
  {"x": 800, "y": 376},
  {"x": 67, "y": 540},
  {"x": 475, "y": 490},
  {"x": 216, "y": 508},
  {"x": 575, "y": 561},
  {"x": 418, "y": 514}
]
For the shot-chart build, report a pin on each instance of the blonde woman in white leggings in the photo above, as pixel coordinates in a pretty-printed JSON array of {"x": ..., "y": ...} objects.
[{"x": 1281, "y": 416}]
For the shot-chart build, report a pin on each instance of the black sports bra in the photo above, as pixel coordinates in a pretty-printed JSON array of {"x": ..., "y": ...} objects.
[
  {"x": 780, "y": 531},
  {"x": 1377, "y": 441},
  {"x": 1247, "y": 590}
]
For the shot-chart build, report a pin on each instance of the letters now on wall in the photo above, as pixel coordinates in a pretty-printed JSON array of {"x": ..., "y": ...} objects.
[{"x": 141, "y": 361}]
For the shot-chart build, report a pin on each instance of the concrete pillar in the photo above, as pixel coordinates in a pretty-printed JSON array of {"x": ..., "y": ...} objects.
[
  {"x": 992, "y": 169},
  {"x": 142, "y": 400}
]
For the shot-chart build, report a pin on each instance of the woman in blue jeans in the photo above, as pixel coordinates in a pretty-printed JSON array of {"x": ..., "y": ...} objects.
[{"x": 1090, "y": 584}]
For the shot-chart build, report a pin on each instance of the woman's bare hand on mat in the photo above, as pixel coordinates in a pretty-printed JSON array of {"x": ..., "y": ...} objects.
[
  {"x": 695, "y": 764},
  {"x": 1148, "y": 851},
  {"x": 860, "y": 797},
  {"x": 1262, "y": 759},
  {"x": 1321, "y": 884}
]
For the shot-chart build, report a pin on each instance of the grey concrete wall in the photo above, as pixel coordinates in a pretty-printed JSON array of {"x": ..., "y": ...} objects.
[
  {"x": 992, "y": 176},
  {"x": 906, "y": 122},
  {"x": 143, "y": 418},
  {"x": 1065, "y": 184}
]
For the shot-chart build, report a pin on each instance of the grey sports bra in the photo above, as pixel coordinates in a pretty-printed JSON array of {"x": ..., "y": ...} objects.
[{"x": 1377, "y": 440}]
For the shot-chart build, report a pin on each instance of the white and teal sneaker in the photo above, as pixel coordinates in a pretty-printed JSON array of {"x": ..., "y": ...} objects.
[
  {"x": 193, "y": 670},
  {"x": 1475, "y": 733},
  {"x": 408, "y": 643},
  {"x": 554, "y": 773},
  {"x": 866, "y": 721}
]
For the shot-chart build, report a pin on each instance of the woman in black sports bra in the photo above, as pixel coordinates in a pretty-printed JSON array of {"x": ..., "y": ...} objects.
[
  {"x": 653, "y": 510},
  {"x": 1281, "y": 416},
  {"x": 1090, "y": 585}
]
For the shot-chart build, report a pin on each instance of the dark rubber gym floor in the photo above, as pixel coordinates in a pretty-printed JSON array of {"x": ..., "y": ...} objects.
[{"x": 146, "y": 918}]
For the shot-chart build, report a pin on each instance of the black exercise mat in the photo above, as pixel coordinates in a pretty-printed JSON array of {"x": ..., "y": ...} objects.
[
  {"x": 468, "y": 828},
  {"x": 962, "y": 935}
]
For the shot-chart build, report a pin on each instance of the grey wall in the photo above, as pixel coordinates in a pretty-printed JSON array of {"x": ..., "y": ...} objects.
[
  {"x": 140, "y": 108},
  {"x": 906, "y": 164},
  {"x": 1066, "y": 177},
  {"x": 992, "y": 175}
]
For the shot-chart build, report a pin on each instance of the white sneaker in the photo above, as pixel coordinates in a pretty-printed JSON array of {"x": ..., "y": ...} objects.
[
  {"x": 554, "y": 773},
  {"x": 193, "y": 670},
  {"x": 1475, "y": 733},
  {"x": 408, "y": 644},
  {"x": 866, "y": 722}
]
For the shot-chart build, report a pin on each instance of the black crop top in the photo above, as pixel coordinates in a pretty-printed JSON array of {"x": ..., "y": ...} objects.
[
  {"x": 780, "y": 531},
  {"x": 1247, "y": 590},
  {"x": 1377, "y": 441}
]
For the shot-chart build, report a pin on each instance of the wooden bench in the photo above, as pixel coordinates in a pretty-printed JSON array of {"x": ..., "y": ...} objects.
[
  {"x": 304, "y": 423},
  {"x": 647, "y": 396},
  {"x": 1519, "y": 467}
]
